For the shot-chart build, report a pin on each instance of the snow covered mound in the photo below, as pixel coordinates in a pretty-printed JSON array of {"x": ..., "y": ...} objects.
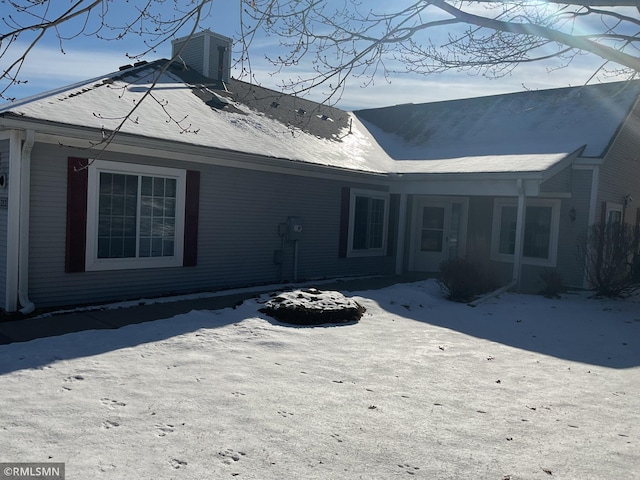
[{"x": 311, "y": 306}]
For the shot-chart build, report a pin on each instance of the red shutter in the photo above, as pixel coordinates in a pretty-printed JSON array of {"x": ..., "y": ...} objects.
[
  {"x": 192, "y": 207},
  {"x": 344, "y": 222},
  {"x": 76, "y": 246}
]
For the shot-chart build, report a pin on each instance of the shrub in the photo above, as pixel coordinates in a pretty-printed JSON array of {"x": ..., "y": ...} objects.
[
  {"x": 612, "y": 256},
  {"x": 553, "y": 284},
  {"x": 462, "y": 279}
]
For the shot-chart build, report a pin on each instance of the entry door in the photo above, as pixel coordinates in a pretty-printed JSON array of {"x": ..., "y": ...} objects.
[{"x": 431, "y": 236}]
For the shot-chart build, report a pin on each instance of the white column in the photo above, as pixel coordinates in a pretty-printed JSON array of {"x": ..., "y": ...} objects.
[
  {"x": 517, "y": 254},
  {"x": 402, "y": 226}
]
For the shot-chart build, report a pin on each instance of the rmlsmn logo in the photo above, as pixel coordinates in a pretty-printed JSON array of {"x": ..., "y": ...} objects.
[{"x": 31, "y": 471}]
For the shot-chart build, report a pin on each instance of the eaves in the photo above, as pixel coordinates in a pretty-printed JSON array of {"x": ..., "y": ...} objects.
[{"x": 90, "y": 141}]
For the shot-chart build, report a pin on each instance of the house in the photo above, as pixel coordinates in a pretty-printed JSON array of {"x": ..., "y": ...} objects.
[{"x": 212, "y": 182}]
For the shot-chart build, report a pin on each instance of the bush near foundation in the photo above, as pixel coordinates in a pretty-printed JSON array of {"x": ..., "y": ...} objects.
[{"x": 462, "y": 280}]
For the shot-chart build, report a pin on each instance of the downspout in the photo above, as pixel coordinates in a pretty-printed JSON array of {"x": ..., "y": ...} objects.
[{"x": 23, "y": 252}]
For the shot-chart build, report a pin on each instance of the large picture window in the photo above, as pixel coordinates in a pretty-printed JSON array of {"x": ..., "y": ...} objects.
[
  {"x": 135, "y": 216},
  {"x": 368, "y": 219},
  {"x": 539, "y": 244}
]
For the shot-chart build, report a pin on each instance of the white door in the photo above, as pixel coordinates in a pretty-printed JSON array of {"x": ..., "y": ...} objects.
[{"x": 431, "y": 235}]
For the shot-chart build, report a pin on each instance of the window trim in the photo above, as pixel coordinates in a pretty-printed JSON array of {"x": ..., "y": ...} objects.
[
  {"x": 551, "y": 260},
  {"x": 368, "y": 252},
  {"x": 92, "y": 262},
  {"x": 611, "y": 207}
]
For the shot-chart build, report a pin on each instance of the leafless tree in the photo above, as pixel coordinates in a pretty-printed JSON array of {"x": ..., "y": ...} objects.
[
  {"x": 341, "y": 39},
  {"x": 424, "y": 37}
]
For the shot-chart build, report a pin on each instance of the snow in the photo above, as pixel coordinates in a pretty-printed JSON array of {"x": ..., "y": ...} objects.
[
  {"x": 528, "y": 123},
  {"x": 174, "y": 113},
  {"x": 524, "y": 132},
  {"x": 520, "y": 387}
]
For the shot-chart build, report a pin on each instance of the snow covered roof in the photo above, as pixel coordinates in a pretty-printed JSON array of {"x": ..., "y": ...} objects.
[
  {"x": 524, "y": 132},
  {"x": 526, "y": 124},
  {"x": 187, "y": 108}
]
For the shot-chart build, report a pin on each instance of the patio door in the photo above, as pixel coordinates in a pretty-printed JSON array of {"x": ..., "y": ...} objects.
[{"x": 436, "y": 232}]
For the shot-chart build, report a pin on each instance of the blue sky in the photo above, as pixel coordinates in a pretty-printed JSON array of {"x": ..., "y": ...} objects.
[{"x": 86, "y": 57}]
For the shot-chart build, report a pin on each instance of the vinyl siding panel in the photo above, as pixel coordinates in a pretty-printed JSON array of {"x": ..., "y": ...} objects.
[
  {"x": 193, "y": 55},
  {"x": 559, "y": 183},
  {"x": 620, "y": 173},
  {"x": 572, "y": 235},
  {"x": 240, "y": 211},
  {"x": 4, "y": 169}
]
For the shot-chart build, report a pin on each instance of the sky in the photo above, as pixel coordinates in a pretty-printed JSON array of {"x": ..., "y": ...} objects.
[{"x": 85, "y": 57}]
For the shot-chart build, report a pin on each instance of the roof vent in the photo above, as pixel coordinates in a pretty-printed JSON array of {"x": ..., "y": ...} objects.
[{"x": 206, "y": 52}]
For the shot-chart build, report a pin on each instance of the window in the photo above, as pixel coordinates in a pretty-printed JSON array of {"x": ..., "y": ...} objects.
[
  {"x": 368, "y": 217},
  {"x": 540, "y": 238},
  {"x": 135, "y": 216},
  {"x": 614, "y": 214}
]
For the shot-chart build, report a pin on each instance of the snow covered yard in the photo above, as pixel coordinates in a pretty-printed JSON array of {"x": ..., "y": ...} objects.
[{"x": 521, "y": 387}]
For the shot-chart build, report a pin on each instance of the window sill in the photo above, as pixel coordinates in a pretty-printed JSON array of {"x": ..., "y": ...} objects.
[{"x": 132, "y": 264}]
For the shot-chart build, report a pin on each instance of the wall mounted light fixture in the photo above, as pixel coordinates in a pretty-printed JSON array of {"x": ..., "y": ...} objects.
[{"x": 572, "y": 214}]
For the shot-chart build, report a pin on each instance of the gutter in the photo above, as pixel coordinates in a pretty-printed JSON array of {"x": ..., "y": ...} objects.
[{"x": 23, "y": 247}]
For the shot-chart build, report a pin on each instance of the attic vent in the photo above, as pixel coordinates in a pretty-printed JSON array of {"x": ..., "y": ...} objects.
[
  {"x": 124, "y": 67},
  {"x": 275, "y": 104},
  {"x": 301, "y": 111},
  {"x": 325, "y": 118},
  {"x": 140, "y": 63}
]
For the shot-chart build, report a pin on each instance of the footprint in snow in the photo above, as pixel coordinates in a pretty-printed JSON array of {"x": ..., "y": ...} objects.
[
  {"x": 112, "y": 403},
  {"x": 229, "y": 456},
  {"x": 176, "y": 463},
  {"x": 164, "y": 429},
  {"x": 408, "y": 468},
  {"x": 109, "y": 424}
]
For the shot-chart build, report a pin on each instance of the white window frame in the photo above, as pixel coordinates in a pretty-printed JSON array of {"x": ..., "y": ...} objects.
[
  {"x": 369, "y": 252},
  {"x": 555, "y": 205},
  {"x": 613, "y": 207},
  {"x": 92, "y": 262}
]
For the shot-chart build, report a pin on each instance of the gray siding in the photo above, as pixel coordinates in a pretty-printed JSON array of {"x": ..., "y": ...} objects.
[
  {"x": 559, "y": 183},
  {"x": 193, "y": 55},
  {"x": 240, "y": 211},
  {"x": 620, "y": 173},
  {"x": 4, "y": 169},
  {"x": 573, "y": 233}
]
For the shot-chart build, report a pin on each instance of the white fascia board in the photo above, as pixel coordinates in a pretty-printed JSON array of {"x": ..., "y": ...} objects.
[
  {"x": 467, "y": 185},
  {"x": 587, "y": 163}
]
